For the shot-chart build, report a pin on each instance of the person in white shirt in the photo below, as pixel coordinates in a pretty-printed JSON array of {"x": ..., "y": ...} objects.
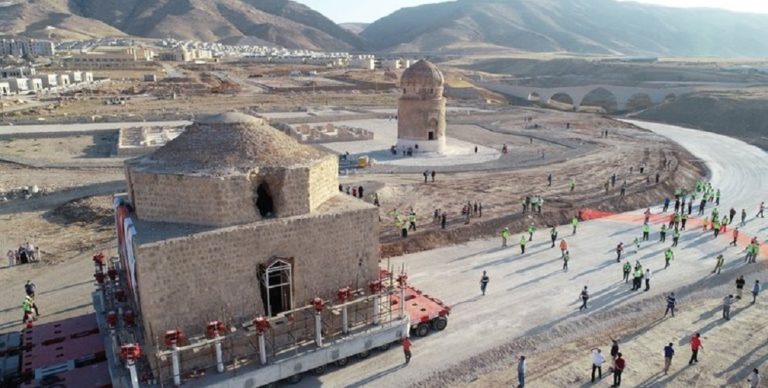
[
  {"x": 597, "y": 363},
  {"x": 754, "y": 379},
  {"x": 11, "y": 258}
]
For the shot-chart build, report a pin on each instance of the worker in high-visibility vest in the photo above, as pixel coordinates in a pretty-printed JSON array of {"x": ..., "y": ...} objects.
[
  {"x": 412, "y": 221},
  {"x": 575, "y": 223},
  {"x": 523, "y": 241},
  {"x": 531, "y": 229},
  {"x": 504, "y": 237}
]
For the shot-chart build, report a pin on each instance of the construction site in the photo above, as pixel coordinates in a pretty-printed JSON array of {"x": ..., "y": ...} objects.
[{"x": 235, "y": 225}]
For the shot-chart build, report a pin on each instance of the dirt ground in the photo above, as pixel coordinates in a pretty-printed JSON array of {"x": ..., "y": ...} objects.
[{"x": 731, "y": 349}]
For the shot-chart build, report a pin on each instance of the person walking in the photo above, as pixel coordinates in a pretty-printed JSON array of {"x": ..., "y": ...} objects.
[
  {"x": 505, "y": 234},
  {"x": 663, "y": 233},
  {"x": 549, "y": 180},
  {"x": 648, "y": 275},
  {"x": 670, "y": 304},
  {"x": 719, "y": 264},
  {"x": 443, "y": 220},
  {"x": 433, "y": 176},
  {"x": 668, "y": 257},
  {"x": 627, "y": 269},
  {"x": 754, "y": 379},
  {"x": 553, "y": 235},
  {"x": 735, "y": 235},
  {"x": 531, "y": 229},
  {"x": 743, "y": 217},
  {"x": 669, "y": 352},
  {"x": 727, "y": 302},
  {"x": 637, "y": 280},
  {"x": 619, "y": 250},
  {"x": 761, "y": 210},
  {"x": 675, "y": 237},
  {"x": 29, "y": 288},
  {"x": 618, "y": 369},
  {"x": 484, "y": 282},
  {"x": 683, "y": 220},
  {"x": 521, "y": 372},
  {"x": 575, "y": 223},
  {"x": 566, "y": 259},
  {"x": 646, "y": 231},
  {"x": 755, "y": 291},
  {"x": 597, "y": 364},
  {"x": 695, "y": 347},
  {"x": 523, "y": 241},
  {"x": 407, "y": 349},
  {"x": 426, "y": 175},
  {"x": 614, "y": 349},
  {"x": 563, "y": 247},
  {"x": 412, "y": 221},
  {"x": 740, "y": 282},
  {"x": 584, "y": 298}
]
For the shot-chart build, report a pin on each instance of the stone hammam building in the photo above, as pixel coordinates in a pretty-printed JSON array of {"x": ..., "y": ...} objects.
[
  {"x": 236, "y": 220},
  {"x": 421, "y": 109}
]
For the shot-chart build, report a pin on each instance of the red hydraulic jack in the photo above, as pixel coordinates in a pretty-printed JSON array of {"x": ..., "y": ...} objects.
[
  {"x": 319, "y": 305},
  {"x": 173, "y": 338},
  {"x": 262, "y": 325},
  {"x": 130, "y": 353},
  {"x": 343, "y": 296},
  {"x": 215, "y": 331}
]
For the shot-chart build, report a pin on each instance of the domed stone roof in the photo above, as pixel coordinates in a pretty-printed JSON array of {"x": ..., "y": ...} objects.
[
  {"x": 423, "y": 73},
  {"x": 229, "y": 141}
]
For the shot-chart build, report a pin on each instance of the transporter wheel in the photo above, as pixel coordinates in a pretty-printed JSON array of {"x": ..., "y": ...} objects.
[
  {"x": 319, "y": 370},
  {"x": 364, "y": 354},
  {"x": 422, "y": 330},
  {"x": 295, "y": 379},
  {"x": 385, "y": 347},
  {"x": 342, "y": 362},
  {"x": 440, "y": 323}
]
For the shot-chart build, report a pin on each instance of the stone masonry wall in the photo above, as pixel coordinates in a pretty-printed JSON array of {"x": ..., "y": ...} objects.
[
  {"x": 188, "y": 281},
  {"x": 323, "y": 181},
  {"x": 414, "y": 115},
  {"x": 191, "y": 199}
]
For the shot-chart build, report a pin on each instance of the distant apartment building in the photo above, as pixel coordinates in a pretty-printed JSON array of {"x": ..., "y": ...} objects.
[
  {"x": 111, "y": 57},
  {"x": 5, "y": 88},
  {"x": 22, "y": 46},
  {"x": 18, "y": 85},
  {"x": 183, "y": 54},
  {"x": 35, "y": 85},
  {"x": 367, "y": 62},
  {"x": 16, "y": 72},
  {"x": 49, "y": 80}
]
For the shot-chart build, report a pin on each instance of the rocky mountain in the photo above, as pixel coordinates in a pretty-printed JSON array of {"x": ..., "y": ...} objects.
[
  {"x": 354, "y": 27},
  {"x": 577, "y": 26},
  {"x": 281, "y": 22}
]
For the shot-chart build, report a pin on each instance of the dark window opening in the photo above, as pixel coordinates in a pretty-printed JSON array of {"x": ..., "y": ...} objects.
[
  {"x": 276, "y": 288},
  {"x": 431, "y": 136},
  {"x": 264, "y": 201}
]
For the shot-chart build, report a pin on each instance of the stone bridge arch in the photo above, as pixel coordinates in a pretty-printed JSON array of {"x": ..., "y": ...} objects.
[
  {"x": 600, "y": 97},
  {"x": 639, "y": 101},
  {"x": 563, "y": 100}
]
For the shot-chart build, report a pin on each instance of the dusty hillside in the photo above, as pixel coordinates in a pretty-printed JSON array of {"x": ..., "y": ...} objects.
[
  {"x": 281, "y": 22},
  {"x": 740, "y": 114},
  {"x": 578, "y": 26}
]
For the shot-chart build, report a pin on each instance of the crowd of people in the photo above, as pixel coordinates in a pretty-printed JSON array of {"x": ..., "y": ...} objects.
[
  {"x": 25, "y": 254},
  {"x": 640, "y": 276}
]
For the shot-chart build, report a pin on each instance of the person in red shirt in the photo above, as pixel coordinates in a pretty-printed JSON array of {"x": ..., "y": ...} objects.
[
  {"x": 619, "y": 365},
  {"x": 695, "y": 346},
  {"x": 407, "y": 349}
]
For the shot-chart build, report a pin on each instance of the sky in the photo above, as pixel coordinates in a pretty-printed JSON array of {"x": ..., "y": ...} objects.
[{"x": 367, "y": 11}]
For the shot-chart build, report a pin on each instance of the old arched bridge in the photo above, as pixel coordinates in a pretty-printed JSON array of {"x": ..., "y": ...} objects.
[{"x": 577, "y": 95}]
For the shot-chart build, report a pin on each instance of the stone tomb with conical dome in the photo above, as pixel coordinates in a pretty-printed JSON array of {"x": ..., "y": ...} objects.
[
  {"x": 421, "y": 109},
  {"x": 235, "y": 220}
]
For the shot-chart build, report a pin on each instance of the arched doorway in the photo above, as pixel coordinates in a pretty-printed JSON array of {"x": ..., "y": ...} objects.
[
  {"x": 561, "y": 101},
  {"x": 276, "y": 284},
  {"x": 264, "y": 202}
]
